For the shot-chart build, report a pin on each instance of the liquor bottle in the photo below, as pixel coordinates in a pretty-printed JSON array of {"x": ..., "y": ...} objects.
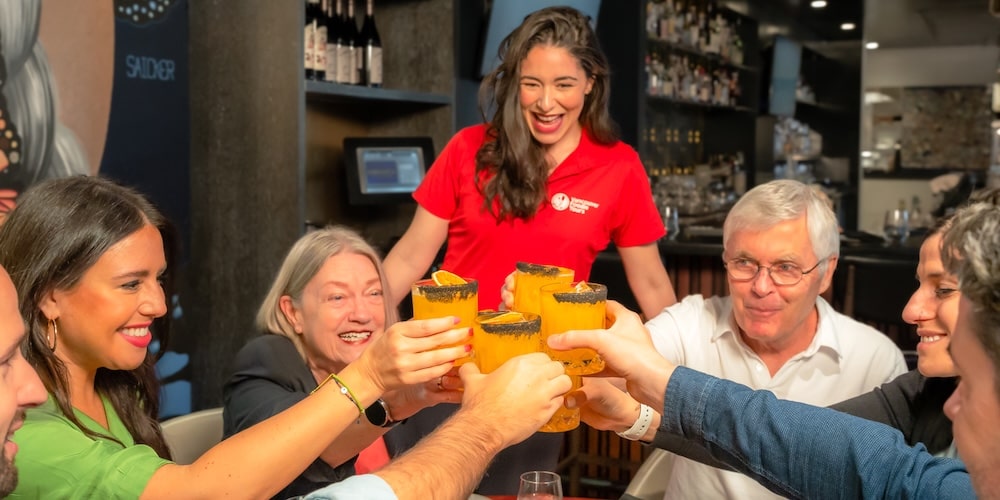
[
  {"x": 372, "y": 45},
  {"x": 332, "y": 41},
  {"x": 310, "y": 37},
  {"x": 351, "y": 35},
  {"x": 319, "y": 43},
  {"x": 345, "y": 48},
  {"x": 344, "y": 54}
]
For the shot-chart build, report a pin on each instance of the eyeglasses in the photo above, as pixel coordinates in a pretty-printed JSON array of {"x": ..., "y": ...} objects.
[{"x": 782, "y": 274}]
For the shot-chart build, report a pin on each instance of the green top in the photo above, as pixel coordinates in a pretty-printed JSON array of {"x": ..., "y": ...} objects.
[{"x": 56, "y": 460}]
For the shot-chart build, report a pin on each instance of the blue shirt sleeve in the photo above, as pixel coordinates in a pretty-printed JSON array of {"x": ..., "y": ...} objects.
[
  {"x": 802, "y": 451},
  {"x": 363, "y": 487}
]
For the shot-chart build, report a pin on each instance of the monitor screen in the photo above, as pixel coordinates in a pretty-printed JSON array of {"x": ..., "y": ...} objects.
[
  {"x": 786, "y": 59},
  {"x": 505, "y": 15},
  {"x": 385, "y": 170},
  {"x": 390, "y": 169}
]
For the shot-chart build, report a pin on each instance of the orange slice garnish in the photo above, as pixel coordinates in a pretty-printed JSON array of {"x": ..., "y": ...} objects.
[
  {"x": 506, "y": 317},
  {"x": 443, "y": 277},
  {"x": 582, "y": 286}
]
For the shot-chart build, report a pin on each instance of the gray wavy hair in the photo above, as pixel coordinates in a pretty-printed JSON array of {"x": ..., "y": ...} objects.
[
  {"x": 772, "y": 203},
  {"x": 971, "y": 250},
  {"x": 303, "y": 261}
]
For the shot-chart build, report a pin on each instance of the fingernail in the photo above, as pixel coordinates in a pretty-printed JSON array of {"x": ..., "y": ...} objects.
[
  {"x": 470, "y": 332},
  {"x": 457, "y": 320},
  {"x": 468, "y": 347}
]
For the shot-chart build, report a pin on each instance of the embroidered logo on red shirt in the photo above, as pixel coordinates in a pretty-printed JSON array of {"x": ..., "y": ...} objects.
[{"x": 562, "y": 201}]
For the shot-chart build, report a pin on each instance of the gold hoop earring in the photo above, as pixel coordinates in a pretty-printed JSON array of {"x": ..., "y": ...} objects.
[{"x": 52, "y": 335}]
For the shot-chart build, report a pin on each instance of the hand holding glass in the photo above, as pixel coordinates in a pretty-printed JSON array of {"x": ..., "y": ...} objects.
[
  {"x": 567, "y": 307},
  {"x": 431, "y": 300},
  {"x": 529, "y": 278}
]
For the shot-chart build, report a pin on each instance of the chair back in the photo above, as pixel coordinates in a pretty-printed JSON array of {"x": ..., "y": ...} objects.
[
  {"x": 650, "y": 481},
  {"x": 189, "y": 436}
]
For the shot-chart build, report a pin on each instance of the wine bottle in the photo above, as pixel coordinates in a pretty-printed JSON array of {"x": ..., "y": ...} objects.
[
  {"x": 373, "y": 48},
  {"x": 357, "y": 47},
  {"x": 319, "y": 44},
  {"x": 345, "y": 55},
  {"x": 310, "y": 37},
  {"x": 332, "y": 42}
]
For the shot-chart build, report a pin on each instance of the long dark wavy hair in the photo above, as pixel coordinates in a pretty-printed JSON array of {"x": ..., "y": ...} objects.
[
  {"x": 511, "y": 166},
  {"x": 59, "y": 230}
]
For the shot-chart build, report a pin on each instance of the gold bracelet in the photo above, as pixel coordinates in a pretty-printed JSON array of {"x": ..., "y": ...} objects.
[{"x": 343, "y": 390}]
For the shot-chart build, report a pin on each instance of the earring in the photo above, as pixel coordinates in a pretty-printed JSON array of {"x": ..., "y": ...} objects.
[{"x": 52, "y": 335}]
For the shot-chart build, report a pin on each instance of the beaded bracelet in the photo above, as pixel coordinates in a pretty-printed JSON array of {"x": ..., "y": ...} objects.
[
  {"x": 343, "y": 390},
  {"x": 641, "y": 425}
]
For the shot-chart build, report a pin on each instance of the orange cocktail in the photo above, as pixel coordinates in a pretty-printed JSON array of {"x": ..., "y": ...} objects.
[
  {"x": 447, "y": 295},
  {"x": 529, "y": 278},
  {"x": 499, "y": 336},
  {"x": 574, "y": 307},
  {"x": 565, "y": 419}
]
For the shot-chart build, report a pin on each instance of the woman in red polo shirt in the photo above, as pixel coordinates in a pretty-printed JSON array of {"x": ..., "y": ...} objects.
[{"x": 545, "y": 181}]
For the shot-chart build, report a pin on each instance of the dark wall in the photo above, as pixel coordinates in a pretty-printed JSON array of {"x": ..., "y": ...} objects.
[{"x": 246, "y": 142}]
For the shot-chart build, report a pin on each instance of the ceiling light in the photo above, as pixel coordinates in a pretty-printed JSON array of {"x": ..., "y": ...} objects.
[
  {"x": 866, "y": 154},
  {"x": 871, "y": 45},
  {"x": 847, "y": 26},
  {"x": 818, "y": 4}
]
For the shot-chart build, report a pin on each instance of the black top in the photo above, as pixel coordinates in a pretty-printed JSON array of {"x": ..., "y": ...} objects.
[
  {"x": 269, "y": 376},
  {"x": 911, "y": 402}
]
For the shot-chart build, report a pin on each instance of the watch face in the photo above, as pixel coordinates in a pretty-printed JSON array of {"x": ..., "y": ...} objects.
[{"x": 377, "y": 415}]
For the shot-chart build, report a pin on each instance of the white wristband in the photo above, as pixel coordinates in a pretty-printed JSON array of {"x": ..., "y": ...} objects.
[{"x": 641, "y": 425}]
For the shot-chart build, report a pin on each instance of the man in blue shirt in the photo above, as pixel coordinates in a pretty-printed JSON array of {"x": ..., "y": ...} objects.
[{"x": 802, "y": 451}]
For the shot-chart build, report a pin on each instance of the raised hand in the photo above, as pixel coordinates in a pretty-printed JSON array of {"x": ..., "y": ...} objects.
[
  {"x": 628, "y": 352},
  {"x": 411, "y": 352},
  {"x": 517, "y": 398},
  {"x": 507, "y": 292},
  {"x": 603, "y": 405}
]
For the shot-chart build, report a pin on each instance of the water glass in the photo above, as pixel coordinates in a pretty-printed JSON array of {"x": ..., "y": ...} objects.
[
  {"x": 540, "y": 485},
  {"x": 671, "y": 222},
  {"x": 897, "y": 226}
]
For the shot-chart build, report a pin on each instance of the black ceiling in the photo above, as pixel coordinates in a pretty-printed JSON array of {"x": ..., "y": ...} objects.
[{"x": 798, "y": 20}]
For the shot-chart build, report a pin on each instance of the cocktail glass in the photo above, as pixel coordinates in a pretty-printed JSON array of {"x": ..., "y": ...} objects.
[
  {"x": 499, "y": 336},
  {"x": 431, "y": 300},
  {"x": 565, "y": 419},
  {"x": 529, "y": 278},
  {"x": 573, "y": 307}
]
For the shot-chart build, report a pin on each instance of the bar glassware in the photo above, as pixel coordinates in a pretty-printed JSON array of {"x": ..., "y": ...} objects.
[
  {"x": 431, "y": 300},
  {"x": 499, "y": 336},
  {"x": 529, "y": 278},
  {"x": 573, "y": 307},
  {"x": 565, "y": 419},
  {"x": 540, "y": 485}
]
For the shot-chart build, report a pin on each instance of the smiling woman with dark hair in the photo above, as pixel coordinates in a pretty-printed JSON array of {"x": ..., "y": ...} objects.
[{"x": 87, "y": 256}]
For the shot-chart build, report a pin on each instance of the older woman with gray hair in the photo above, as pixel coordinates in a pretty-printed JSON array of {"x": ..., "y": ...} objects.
[{"x": 327, "y": 304}]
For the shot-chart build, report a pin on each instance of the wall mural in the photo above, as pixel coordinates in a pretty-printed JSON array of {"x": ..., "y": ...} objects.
[{"x": 93, "y": 87}]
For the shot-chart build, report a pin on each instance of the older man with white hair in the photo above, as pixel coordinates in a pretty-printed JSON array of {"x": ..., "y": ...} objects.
[{"x": 773, "y": 331}]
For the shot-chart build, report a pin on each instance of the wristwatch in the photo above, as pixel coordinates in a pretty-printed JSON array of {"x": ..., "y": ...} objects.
[{"x": 378, "y": 414}]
